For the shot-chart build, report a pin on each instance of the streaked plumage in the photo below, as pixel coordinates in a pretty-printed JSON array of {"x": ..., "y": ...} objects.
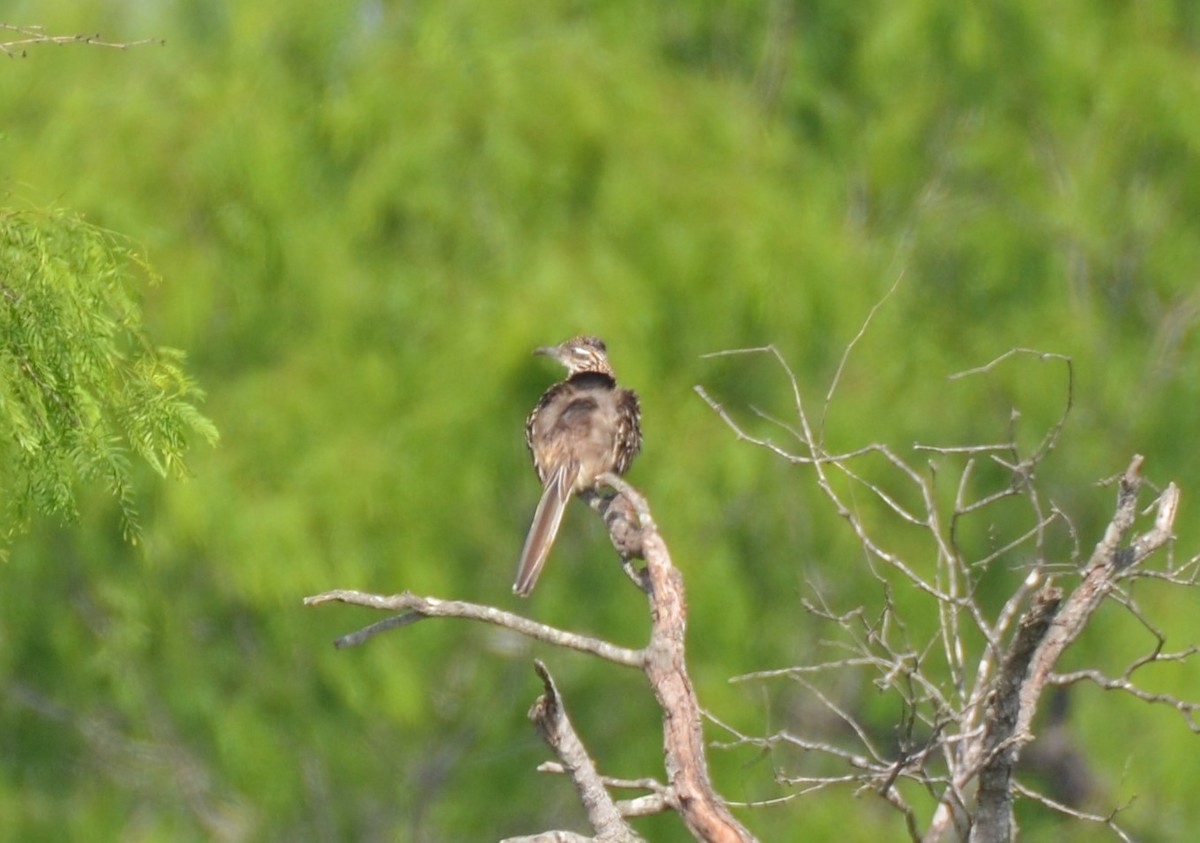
[{"x": 582, "y": 427}]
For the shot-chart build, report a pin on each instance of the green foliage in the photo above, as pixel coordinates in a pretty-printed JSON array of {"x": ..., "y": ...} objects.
[{"x": 81, "y": 388}]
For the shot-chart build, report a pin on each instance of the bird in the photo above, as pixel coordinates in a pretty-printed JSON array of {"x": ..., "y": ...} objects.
[{"x": 582, "y": 428}]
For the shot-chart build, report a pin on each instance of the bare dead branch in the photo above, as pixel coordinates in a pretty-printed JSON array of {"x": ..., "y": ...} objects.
[
  {"x": 993, "y": 806},
  {"x": 1108, "y": 561},
  {"x": 658, "y": 801},
  {"x": 689, "y": 790},
  {"x": 416, "y": 608},
  {"x": 855, "y": 340},
  {"x": 702, "y": 810},
  {"x": 624, "y": 529},
  {"x": 552, "y": 837},
  {"x": 839, "y": 666},
  {"x": 652, "y": 785},
  {"x": 1122, "y": 683},
  {"x": 819, "y": 460},
  {"x": 30, "y": 35},
  {"x": 1107, "y": 820},
  {"x": 648, "y": 805},
  {"x": 976, "y": 702},
  {"x": 550, "y": 718},
  {"x": 1052, "y": 435}
]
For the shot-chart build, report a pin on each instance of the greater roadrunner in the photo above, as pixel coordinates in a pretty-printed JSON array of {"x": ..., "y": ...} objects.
[{"x": 581, "y": 428}]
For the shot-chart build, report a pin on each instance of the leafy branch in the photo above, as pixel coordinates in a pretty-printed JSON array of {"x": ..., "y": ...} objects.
[{"x": 81, "y": 385}]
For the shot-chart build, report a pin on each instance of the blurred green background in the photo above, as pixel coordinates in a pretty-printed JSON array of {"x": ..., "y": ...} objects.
[{"x": 366, "y": 215}]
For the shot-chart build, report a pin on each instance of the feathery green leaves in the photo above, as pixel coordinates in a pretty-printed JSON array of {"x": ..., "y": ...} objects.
[{"x": 81, "y": 386}]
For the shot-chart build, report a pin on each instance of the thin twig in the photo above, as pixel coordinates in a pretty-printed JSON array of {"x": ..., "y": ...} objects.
[{"x": 31, "y": 35}]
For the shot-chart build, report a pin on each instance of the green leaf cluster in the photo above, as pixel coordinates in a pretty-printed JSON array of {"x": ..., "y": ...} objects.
[{"x": 81, "y": 387}]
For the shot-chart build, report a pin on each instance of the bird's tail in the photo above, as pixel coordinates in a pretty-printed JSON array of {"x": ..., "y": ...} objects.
[{"x": 542, "y": 531}]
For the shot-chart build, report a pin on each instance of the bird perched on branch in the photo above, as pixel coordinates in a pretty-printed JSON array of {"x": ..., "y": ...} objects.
[{"x": 582, "y": 428}]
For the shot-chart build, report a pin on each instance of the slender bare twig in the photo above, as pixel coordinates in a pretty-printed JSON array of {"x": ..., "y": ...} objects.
[
  {"x": 31, "y": 35},
  {"x": 855, "y": 340},
  {"x": 1188, "y": 709},
  {"x": 652, "y": 785},
  {"x": 1055, "y": 431},
  {"x": 1107, "y": 820},
  {"x": 659, "y": 800}
]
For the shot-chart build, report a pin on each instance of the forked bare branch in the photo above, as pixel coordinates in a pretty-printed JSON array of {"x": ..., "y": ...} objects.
[
  {"x": 972, "y": 697},
  {"x": 689, "y": 790}
]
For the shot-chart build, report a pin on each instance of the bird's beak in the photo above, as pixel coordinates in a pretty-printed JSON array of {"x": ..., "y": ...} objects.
[{"x": 549, "y": 351}]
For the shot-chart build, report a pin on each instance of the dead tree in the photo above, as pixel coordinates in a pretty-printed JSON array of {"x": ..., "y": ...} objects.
[
  {"x": 967, "y": 708},
  {"x": 688, "y": 789}
]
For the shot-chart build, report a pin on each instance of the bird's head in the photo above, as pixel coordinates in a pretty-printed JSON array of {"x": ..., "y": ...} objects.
[{"x": 580, "y": 354}]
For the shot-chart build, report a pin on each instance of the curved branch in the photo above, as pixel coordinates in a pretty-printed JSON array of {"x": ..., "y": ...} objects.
[
  {"x": 418, "y": 608},
  {"x": 703, "y": 811}
]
